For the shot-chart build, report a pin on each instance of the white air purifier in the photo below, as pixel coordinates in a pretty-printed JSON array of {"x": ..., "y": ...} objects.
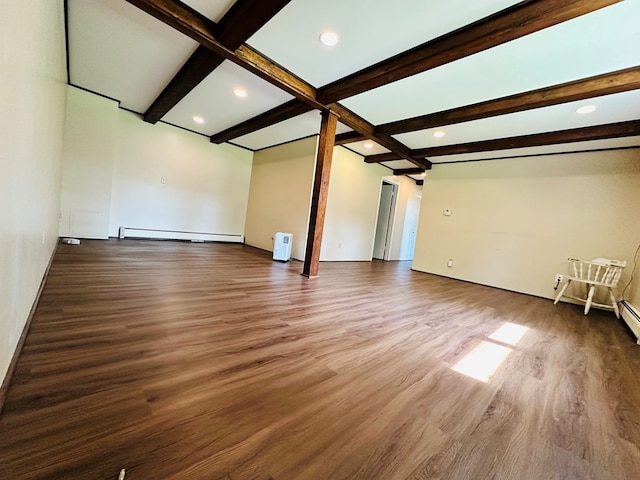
[{"x": 282, "y": 246}]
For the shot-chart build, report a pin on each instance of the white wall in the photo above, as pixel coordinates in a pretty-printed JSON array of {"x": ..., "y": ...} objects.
[
  {"x": 112, "y": 172},
  {"x": 352, "y": 207},
  {"x": 206, "y": 187},
  {"x": 280, "y": 195},
  {"x": 32, "y": 102},
  {"x": 87, "y": 166},
  {"x": 514, "y": 222}
]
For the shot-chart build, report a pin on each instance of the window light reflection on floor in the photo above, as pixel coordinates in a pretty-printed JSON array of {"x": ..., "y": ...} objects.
[
  {"x": 509, "y": 333},
  {"x": 484, "y": 360}
]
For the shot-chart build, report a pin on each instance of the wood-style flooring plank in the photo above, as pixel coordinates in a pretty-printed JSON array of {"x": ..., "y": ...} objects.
[{"x": 210, "y": 361}]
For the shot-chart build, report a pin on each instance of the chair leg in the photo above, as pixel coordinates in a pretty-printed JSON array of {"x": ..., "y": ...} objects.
[
  {"x": 562, "y": 290},
  {"x": 616, "y": 310},
  {"x": 592, "y": 289}
]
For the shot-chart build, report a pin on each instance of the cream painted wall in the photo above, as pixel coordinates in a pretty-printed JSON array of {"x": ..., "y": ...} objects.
[
  {"x": 514, "y": 222},
  {"x": 352, "y": 207},
  {"x": 632, "y": 295},
  {"x": 280, "y": 195},
  {"x": 32, "y": 102},
  {"x": 206, "y": 187},
  {"x": 87, "y": 167}
]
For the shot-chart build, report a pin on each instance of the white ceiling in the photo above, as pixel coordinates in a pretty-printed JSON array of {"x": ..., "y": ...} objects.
[{"x": 118, "y": 51}]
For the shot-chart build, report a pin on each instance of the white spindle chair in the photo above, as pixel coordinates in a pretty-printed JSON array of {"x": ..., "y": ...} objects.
[{"x": 600, "y": 272}]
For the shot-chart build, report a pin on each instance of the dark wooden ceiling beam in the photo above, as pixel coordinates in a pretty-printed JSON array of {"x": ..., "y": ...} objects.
[
  {"x": 382, "y": 157},
  {"x": 598, "y": 132},
  {"x": 514, "y": 22},
  {"x": 291, "y": 109},
  {"x": 606, "y": 84},
  {"x": 408, "y": 171},
  {"x": 349, "y": 137},
  {"x": 244, "y": 18},
  {"x": 201, "y": 63}
]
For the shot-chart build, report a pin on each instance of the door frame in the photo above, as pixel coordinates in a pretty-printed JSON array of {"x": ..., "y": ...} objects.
[{"x": 392, "y": 217}]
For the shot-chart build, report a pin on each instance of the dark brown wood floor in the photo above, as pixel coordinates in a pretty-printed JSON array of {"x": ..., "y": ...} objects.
[{"x": 203, "y": 361}]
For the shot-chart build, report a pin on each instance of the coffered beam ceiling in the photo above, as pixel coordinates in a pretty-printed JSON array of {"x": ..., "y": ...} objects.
[
  {"x": 244, "y": 18},
  {"x": 201, "y": 29},
  {"x": 521, "y": 19},
  {"x": 509, "y": 24},
  {"x": 598, "y": 132}
]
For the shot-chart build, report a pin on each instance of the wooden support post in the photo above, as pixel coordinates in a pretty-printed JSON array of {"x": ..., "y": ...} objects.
[{"x": 320, "y": 190}]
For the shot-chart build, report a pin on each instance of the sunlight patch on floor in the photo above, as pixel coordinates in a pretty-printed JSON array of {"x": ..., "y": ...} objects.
[{"x": 484, "y": 360}]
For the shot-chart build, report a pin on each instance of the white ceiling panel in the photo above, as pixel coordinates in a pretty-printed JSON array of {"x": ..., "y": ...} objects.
[
  {"x": 298, "y": 127},
  {"x": 119, "y": 51},
  {"x": 369, "y": 32},
  {"x": 626, "y": 142},
  {"x": 212, "y": 10},
  {"x": 600, "y": 42},
  {"x": 213, "y": 100},
  {"x": 610, "y": 109},
  {"x": 367, "y": 147}
]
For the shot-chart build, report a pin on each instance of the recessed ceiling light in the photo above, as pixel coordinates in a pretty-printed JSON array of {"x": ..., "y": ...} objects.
[
  {"x": 368, "y": 145},
  {"x": 439, "y": 133},
  {"x": 586, "y": 109},
  {"x": 240, "y": 92},
  {"x": 329, "y": 38},
  {"x": 198, "y": 119}
]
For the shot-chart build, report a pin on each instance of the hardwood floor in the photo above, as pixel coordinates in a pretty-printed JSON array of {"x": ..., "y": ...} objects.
[{"x": 207, "y": 361}]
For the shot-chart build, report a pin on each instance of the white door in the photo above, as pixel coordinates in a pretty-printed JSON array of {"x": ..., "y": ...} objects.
[
  {"x": 410, "y": 227},
  {"x": 384, "y": 221}
]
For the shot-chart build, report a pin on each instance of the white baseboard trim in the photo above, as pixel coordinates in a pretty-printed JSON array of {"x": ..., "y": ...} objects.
[
  {"x": 152, "y": 233},
  {"x": 631, "y": 316}
]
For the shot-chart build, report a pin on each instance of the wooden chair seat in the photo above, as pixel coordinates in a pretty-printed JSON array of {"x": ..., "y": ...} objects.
[{"x": 600, "y": 272}]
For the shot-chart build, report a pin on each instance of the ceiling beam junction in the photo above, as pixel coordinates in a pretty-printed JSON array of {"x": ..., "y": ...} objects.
[{"x": 244, "y": 18}]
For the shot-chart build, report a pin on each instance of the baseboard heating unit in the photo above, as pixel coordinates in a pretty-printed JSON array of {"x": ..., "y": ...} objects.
[
  {"x": 157, "y": 234},
  {"x": 631, "y": 316}
]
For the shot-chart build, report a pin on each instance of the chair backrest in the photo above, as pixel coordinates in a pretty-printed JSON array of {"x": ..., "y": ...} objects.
[{"x": 602, "y": 271}]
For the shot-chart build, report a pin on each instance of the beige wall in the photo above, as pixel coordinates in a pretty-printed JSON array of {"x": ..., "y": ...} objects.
[
  {"x": 32, "y": 102},
  {"x": 280, "y": 195},
  {"x": 352, "y": 207},
  {"x": 514, "y": 222}
]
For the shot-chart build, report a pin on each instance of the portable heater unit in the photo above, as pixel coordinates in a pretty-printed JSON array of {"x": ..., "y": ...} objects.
[{"x": 282, "y": 246}]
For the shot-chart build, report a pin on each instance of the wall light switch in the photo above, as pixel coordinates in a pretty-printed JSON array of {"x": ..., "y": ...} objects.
[
  {"x": 447, "y": 212},
  {"x": 163, "y": 180}
]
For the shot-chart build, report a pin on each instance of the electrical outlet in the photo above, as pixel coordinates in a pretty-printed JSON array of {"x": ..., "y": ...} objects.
[
  {"x": 559, "y": 278},
  {"x": 450, "y": 263}
]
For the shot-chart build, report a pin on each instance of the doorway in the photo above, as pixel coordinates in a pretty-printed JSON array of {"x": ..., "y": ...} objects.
[{"x": 384, "y": 224}]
